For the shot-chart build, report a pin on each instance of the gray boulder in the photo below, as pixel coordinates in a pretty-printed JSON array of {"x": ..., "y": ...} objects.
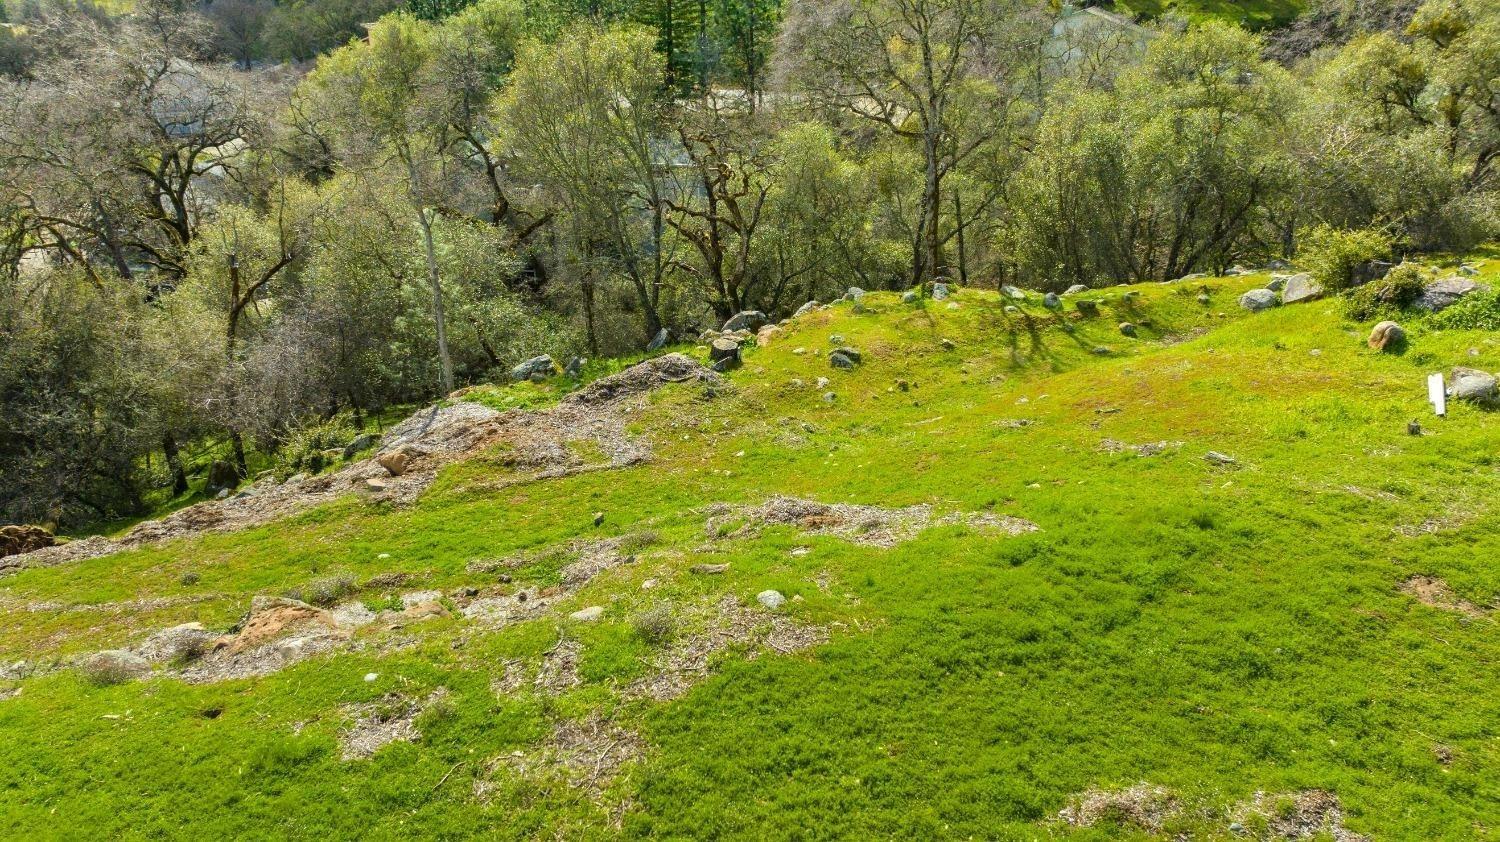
[
  {"x": 1258, "y": 299},
  {"x": 805, "y": 309},
  {"x": 939, "y": 291},
  {"x": 1075, "y": 289},
  {"x": 771, "y": 599},
  {"x": 1087, "y": 307},
  {"x": 537, "y": 367},
  {"x": 1473, "y": 385},
  {"x": 750, "y": 320},
  {"x": 1440, "y": 295},
  {"x": 909, "y": 297},
  {"x": 1013, "y": 293},
  {"x": 576, "y": 364},
  {"x": 854, "y": 294},
  {"x": 659, "y": 341},
  {"x": 1467, "y": 270},
  {"x": 1278, "y": 283},
  {"x": 724, "y": 348},
  {"x": 1301, "y": 288},
  {"x": 364, "y": 441},
  {"x": 1127, "y": 329},
  {"x": 1051, "y": 301},
  {"x": 844, "y": 358}
]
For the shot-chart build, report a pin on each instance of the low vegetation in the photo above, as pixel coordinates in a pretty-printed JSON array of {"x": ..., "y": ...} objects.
[{"x": 951, "y": 681}]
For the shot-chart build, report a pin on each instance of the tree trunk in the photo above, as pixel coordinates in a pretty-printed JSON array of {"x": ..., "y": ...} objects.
[
  {"x": 588, "y": 316},
  {"x": 932, "y": 204},
  {"x": 439, "y": 311},
  {"x": 174, "y": 462},
  {"x": 963, "y": 257},
  {"x": 241, "y": 467}
]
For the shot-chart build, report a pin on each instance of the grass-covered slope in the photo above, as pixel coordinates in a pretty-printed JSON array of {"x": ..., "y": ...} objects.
[{"x": 1215, "y": 631}]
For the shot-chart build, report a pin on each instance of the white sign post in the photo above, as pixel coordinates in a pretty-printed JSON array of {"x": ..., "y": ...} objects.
[{"x": 1437, "y": 393}]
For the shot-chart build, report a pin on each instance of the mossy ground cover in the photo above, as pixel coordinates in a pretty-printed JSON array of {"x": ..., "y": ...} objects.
[{"x": 1217, "y": 630}]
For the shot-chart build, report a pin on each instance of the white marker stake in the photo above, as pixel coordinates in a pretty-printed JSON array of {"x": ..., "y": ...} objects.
[{"x": 1438, "y": 394}]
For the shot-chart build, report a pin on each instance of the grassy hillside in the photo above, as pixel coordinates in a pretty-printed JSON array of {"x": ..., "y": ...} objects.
[
  {"x": 1212, "y": 630},
  {"x": 1252, "y": 14}
]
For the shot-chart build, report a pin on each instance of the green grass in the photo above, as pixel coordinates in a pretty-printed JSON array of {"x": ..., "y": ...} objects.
[{"x": 1216, "y": 631}]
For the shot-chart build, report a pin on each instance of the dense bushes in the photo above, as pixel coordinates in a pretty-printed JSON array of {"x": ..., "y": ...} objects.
[
  {"x": 312, "y": 448},
  {"x": 1384, "y": 296},
  {"x": 1476, "y": 311},
  {"x": 1335, "y": 258}
]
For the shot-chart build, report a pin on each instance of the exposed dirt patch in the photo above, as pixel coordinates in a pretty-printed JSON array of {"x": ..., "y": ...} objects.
[
  {"x": 587, "y": 754},
  {"x": 275, "y": 634},
  {"x": 557, "y": 673},
  {"x": 1301, "y": 815},
  {"x": 1142, "y": 806},
  {"x": 1434, "y": 592},
  {"x": 1309, "y": 814},
  {"x": 589, "y": 559},
  {"x": 1148, "y": 449},
  {"x": 869, "y": 525},
  {"x": 375, "y": 725},
  {"x": 731, "y": 625},
  {"x": 537, "y": 444}
]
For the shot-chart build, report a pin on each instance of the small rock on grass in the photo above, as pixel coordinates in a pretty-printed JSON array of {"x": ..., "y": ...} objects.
[
  {"x": 589, "y": 614},
  {"x": 709, "y": 569},
  {"x": 1386, "y": 336},
  {"x": 395, "y": 462},
  {"x": 771, "y": 599},
  {"x": 1216, "y": 458},
  {"x": 1258, "y": 299}
]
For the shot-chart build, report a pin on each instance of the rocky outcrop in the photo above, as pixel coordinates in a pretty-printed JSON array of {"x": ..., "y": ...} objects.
[
  {"x": 1440, "y": 295},
  {"x": 1301, "y": 288},
  {"x": 15, "y": 540}
]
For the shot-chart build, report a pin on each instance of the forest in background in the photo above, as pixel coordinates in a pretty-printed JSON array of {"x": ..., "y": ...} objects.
[{"x": 228, "y": 227}]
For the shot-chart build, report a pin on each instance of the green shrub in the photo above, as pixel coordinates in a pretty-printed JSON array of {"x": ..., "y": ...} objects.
[
  {"x": 325, "y": 590},
  {"x": 106, "y": 669},
  {"x": 1475, "y": 311},
  {"x": 303, "y": 450},
  {"x": 656, "y": 626},
  {"x": 1332, "y": 256},
  {"x": 1396, "y": 291}
]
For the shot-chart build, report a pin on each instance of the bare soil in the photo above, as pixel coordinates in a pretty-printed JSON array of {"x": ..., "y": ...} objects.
[{"x": 869, "y": 525}]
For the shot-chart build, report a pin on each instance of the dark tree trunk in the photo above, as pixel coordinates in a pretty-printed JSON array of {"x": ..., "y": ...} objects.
[{"x": 174, "y": 462}]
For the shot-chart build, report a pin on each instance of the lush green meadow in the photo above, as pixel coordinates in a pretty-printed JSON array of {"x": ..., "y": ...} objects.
[{"x": 1215, "y": 630}]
